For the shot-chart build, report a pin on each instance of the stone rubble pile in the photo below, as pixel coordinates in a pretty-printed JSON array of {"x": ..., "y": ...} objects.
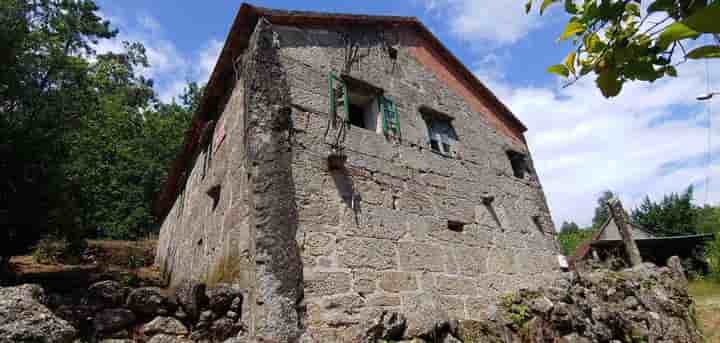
[
  {"x": 641, "y": 304},
  {"x": 111, "y": 313}
]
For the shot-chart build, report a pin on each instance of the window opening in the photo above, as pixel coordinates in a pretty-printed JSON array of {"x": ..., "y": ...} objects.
[
  {"x": 520, "y": 163},
  {"x": 441, "y": 134},
  {"x": 455, "y": 226},
  {"x": 538, "y": 224},
  {"x": 487, "y": 202},
  {"x": 363, "y": 105}
]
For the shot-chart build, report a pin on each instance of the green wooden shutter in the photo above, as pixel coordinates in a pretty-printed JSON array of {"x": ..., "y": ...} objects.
[
  {"x": 336, "y": 99},
  {"x": 391, "y": 119}
]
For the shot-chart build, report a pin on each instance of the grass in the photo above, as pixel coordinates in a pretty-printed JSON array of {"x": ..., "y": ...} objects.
[{"x": 707, "y": 301}]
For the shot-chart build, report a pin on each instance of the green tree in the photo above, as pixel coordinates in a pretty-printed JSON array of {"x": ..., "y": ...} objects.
[
  {"x": 629, "y": 40},
  {"x": 674, "y": 215},
  {"x": 601, "y": 210},
  {"x": 86, "y": 145},
  {"x": 45, "y": 90},
  {"x": 570, "y": 240},
  {"x": 707, "y": 219},
  {"x": 569, "y": 227}
]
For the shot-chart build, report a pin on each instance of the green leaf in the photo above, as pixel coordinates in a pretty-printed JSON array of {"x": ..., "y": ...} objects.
[
  {"x": 671, "y": 71},
  {"x": 705, "y": 20},
  {"x": 545, "y": 4},
  {"x": 661, "y": 5},
  {"x": 570, "y": 7},
  {"x": 559, "y": 69},
  {"x": 675, "y": 32},
  {"x": 528, "y": 6},
  {"x": 570, "y": 62},
  {"x": 707, "y": 51},
  {"x": 572, "y": 28},
  {"x": 609, "y": 83},
  {"x": 592, "y": 43}
]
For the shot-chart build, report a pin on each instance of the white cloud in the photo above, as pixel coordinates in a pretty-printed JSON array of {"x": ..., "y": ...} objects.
[
  {"x": 497, "y": 22},
  {"x": 583, "y": 143},
  {"x": 170, "y": 68},
  {"x": 208, "y": 57}
]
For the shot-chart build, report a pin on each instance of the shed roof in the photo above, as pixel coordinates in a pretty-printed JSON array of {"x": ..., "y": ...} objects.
[{"x": 236, "y": 42}]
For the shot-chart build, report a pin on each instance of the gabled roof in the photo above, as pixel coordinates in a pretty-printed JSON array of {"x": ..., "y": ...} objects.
[
  {"x": 583, "y": 249},
  {"x": 222, "y": 76}
]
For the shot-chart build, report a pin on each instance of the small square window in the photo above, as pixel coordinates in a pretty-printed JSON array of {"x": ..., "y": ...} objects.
[
  {"x": 519, "y": 163},
  {"x": 441, "y": 135},
  {"x": 455, "y": 226}
]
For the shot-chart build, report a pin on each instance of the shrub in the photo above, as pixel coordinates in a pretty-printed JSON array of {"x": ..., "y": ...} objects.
[
  {"x": 712, "y": 253},
  {"x": 52, "y": 249}
]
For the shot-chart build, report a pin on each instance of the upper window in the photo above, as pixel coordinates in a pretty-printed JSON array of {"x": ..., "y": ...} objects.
[
  {"x": 363, "y": 109},
  {"x": 364, "y": 105},
  {"x": 441, "y": 134},
  {"x": 520, "y": 164}
]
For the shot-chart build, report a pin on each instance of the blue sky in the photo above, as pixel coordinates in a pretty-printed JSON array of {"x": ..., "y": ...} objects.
[{"x": 651, "y": 140}]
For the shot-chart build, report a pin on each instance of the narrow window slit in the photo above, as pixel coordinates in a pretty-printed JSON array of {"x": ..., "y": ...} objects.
[
  {"x": 487, "y": 202},
  {"x": 214, "y": 193},
  {"x": 455, "y": 226},
  {"x": 538, "y": 224}
]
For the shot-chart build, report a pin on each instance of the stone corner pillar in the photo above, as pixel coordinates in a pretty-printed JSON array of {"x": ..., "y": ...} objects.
[{"x": 622, "y": 221}]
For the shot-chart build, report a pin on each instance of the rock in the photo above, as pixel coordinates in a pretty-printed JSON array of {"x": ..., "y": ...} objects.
[
  {"x": 223, "y": 329},
  {"x": 148, "y": 301},
  {"x": 166, "y": 325},
  {"x": 390, "y": 326},
  {"x": 24, "y": 318},
  {"x": 206, "y": 317},
  {"x": 116, "y": 340},
  {"x": 105, "y": 294},
  {"x": 231, "y": 314},
  {"x": 677, "y": 270},
  {"x": 113, "y": 320},
  {"x": 163, "y": 338},
  {"x": 191, "y": 296},
  {"x": 426, "y": 315},
  {"x": 221, "y": 297}
]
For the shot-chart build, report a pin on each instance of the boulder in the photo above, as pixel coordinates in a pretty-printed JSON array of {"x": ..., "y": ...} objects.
[
  {"x": 426, "y": 315},
  {"x": 113, "y": 320},
  {"x": 105, "y": 294},
  {"x": 24, "y": 318},
  {"x": 163, "y": 338},
  {"x": 149, "y": 301},
  {"x": 191, "y": 297},
  {"x": 222, "y": 296},
  {"x": 223, "y": 329},
  {"x": 164, "y": 325}
]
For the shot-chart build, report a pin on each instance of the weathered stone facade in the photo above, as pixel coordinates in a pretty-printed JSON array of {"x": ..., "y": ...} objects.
[{"x": 398, "y": 227}]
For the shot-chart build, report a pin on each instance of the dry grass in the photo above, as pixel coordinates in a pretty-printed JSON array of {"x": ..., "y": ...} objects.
[
  {"x": 129, "y": 262},
  {"x": 707, "y": 301}
]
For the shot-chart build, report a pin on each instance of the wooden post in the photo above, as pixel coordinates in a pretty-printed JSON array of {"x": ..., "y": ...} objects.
[{"x": 623, "y": 223}]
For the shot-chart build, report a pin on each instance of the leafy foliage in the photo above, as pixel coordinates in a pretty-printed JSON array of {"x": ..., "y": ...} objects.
[
  {"x": 85, "y": 142},
  {"x": 674, "y": 215},
  {"x": 618, "y": 41},
  {"x": 570, "y": 240},
  {"x": 601, "y": 210}
]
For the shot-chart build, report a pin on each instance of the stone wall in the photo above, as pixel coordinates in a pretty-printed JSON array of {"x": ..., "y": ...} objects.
[
  {"x": 326, "y": 249},
  {"x": 374, "y": 236}
]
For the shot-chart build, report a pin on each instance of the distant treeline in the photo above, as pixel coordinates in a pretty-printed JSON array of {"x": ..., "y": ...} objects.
[{"x": 674, "y": 215}]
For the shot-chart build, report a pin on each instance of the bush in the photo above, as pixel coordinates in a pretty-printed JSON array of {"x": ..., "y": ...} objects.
[
  {"x": 712, "y": 253},
  {"x": 51, "y": 250}
]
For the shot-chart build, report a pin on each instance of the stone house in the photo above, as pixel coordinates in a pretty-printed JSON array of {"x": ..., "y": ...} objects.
[{"x": 341, "y": 165}]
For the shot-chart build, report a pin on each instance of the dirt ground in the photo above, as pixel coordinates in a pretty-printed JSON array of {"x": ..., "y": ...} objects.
[
  {"x": 126, "y": 261},
  {"x": 707, "y": 305}
]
